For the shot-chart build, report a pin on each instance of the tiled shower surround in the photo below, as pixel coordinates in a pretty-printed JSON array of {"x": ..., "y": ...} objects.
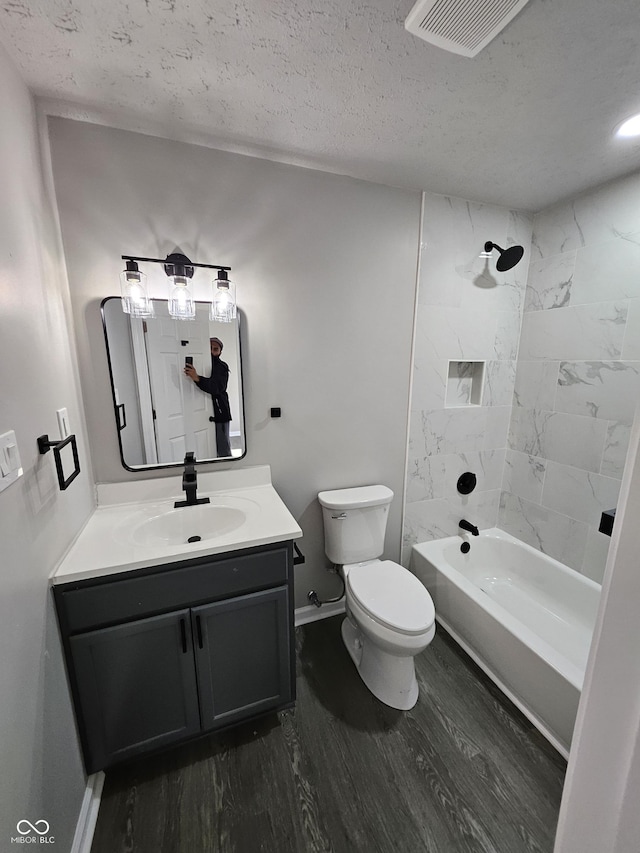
[
  {"x": 466, "y": 313},
  {"x": 569, "y": 397}
]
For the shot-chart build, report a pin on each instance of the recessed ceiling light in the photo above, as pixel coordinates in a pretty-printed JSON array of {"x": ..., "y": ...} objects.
[{"x": 630, "y": 127}]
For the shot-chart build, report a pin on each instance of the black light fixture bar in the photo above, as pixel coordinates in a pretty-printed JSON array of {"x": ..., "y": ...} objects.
[{"x": 166, "y": 260}]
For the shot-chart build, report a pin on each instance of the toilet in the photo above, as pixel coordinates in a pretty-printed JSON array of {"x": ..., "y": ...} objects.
[{"x": 390, "y": 615}]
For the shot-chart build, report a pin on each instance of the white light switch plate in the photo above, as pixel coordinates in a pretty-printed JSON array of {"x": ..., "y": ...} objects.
[
  {"x": 10, "y": 464},
  {"x": 63, "y": 422}
]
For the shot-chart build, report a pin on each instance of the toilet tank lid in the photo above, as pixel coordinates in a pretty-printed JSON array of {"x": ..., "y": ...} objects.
[{"x": 360, "y": 496}]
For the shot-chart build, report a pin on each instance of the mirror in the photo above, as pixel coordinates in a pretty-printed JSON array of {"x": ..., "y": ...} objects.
[{"x": 161, "y": 413}]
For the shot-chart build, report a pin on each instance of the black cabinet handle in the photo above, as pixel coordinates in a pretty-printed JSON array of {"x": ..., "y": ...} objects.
[
  {"x": 183, "y": 635},
  {"x": 199, "y": 631}
]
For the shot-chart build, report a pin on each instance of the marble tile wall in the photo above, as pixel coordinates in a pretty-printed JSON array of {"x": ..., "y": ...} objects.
[
  {"x": 577, "y": 378},
  {"x": 466, "y": 313},
  {"x": 560, "y": 338}
]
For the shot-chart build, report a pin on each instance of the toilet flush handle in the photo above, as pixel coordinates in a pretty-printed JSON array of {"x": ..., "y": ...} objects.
[{"x": 341, "y": 516}]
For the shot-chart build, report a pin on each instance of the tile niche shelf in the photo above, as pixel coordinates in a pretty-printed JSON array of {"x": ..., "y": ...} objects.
[{"x": 465, "y": 380}]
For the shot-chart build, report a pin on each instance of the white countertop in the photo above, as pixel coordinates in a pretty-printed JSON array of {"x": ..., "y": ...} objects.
[{"x": 111, "y": 541}]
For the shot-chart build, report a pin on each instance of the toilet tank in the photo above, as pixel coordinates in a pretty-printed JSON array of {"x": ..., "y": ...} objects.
[{"x": 355, "y": 521}]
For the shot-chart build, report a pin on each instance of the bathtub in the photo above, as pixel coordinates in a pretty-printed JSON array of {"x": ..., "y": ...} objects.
[{"x": 524, "y": 618}]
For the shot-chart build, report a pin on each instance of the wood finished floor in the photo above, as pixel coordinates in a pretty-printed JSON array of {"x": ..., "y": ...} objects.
[{"x": 463, "y": 771}]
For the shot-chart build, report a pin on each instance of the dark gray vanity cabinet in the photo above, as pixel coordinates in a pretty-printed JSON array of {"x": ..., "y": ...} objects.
[
  {"x": 136, "y": 686},
  {"x": 242, "y": 655},
  {"x": 157, "y": 656}
]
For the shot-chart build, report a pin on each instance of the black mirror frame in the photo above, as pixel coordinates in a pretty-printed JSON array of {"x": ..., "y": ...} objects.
[{"x": 118, "y": 421}]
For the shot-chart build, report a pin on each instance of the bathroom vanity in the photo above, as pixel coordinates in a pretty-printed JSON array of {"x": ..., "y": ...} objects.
[{"x": 166, "y": 640}]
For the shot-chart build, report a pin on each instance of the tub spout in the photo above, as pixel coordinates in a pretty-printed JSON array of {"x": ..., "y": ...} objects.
[{"x": 471, "y": 528}]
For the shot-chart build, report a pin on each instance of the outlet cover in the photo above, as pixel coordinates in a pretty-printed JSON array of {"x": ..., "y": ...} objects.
[
  {"x": 10, "y": 464},
  {"x": 63, "y": 423}
]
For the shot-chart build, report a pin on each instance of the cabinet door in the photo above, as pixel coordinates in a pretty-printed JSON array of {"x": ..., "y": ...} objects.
[
  {"x": 243, "y": 658},
  {"x": 136, "y": 688}
]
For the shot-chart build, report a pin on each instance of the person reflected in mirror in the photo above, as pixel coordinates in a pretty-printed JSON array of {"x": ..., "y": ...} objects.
[{"x": 216, "y": 385}]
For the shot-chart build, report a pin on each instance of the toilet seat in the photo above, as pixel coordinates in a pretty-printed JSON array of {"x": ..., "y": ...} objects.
[{"x": 392, "y": 596}]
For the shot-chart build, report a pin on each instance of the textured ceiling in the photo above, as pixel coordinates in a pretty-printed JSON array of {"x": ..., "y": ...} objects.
[{"x": 340, "y": 85}]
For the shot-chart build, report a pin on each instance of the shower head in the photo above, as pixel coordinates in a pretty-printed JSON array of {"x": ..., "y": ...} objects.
[{"x": 508, "y": 257}]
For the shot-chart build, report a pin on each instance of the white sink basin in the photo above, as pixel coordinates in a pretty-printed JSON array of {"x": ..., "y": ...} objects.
[
  {"x": 191, "y": 523},
  {"x": 136, "y": 526}
]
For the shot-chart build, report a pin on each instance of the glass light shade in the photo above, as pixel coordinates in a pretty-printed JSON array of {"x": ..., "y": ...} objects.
[
  {"x": 630, "y": 127},
  {"x": 133, "y": 293},
  {"x": 223, "y": 302},
  {"x": 181, "y": 304}
]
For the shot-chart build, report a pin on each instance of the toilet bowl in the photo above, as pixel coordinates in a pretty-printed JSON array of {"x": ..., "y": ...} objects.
[
  {"x": 390, "y": 615},
  {"x": 390, "y": 619}
]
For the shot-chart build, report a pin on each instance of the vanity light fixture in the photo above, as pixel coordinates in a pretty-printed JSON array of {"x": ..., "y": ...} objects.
[
  {"x": 182, "y": 306},
  {"x": 629, "y": 127},
  {"x": 133, "y": 291},
  {"x": 180, "y": 269},
  {"x": 223, "y": 303}
]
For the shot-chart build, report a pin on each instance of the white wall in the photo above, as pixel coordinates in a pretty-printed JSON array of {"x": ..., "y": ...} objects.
[
  {"x": 42, "y": 776},
  {"x": 325, "y": 268}
]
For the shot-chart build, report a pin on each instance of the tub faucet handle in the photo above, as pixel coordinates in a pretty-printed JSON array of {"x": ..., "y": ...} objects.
[{"x": 470, "y": 528}]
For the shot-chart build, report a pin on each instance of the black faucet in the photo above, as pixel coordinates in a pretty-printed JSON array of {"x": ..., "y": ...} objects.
[
  {"x": 471, "y": 528},
  {"x": 190, "y": 483}
]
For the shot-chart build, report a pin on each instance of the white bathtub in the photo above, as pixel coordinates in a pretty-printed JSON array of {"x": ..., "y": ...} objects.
[{"x": 526, "y": 619}]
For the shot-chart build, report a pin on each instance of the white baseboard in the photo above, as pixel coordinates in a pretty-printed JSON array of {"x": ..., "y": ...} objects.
[
  {"x": 311, "y": 613},
  {"x": 88, "y": 814}
]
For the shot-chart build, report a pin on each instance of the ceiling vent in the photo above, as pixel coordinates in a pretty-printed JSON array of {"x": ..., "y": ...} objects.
[{"x": 461, "y": 26}]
